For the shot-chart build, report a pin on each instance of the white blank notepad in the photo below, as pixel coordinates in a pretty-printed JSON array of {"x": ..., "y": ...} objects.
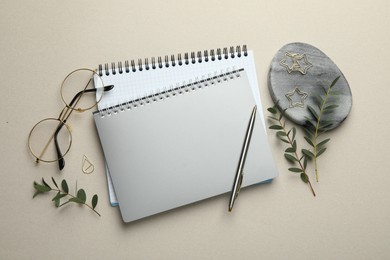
[
  {"x": 182, "y": 146},
  {"x": 138, "y": 78}
]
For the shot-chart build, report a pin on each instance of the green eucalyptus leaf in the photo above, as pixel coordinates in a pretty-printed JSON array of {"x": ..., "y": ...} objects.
[
  {"x": 281, "y": 133},
  {"x": 305, "y": 160},
  {"x": 57, "y": 202},
  {"x": 276, "y": 127},
  {"x": 81, "y": 195},
  {"x": 328, "y": 112},
  {"x": 313, "y": 112},
  {"x": 94, "y": 201},
  {"x": 294, "y": 145},
  {"x": 55, "y": 183},
  {"x": 59, "y": 195},
  {"x": 321, "y": 151},
  {"x": 325, "y": 90},
  {"x": 309, "y": 124},
  {"x": 294, "y": 131},
  {"x": 280, "y": 137},
  {"x": 44, "y": 182},
  {"x": 304, "y": 177},
  {"x": 334, "y": 82},
  {"x": 319, "y": 100},
  {"x": 272, "y": 110},
  {"x": 41, "y": 188},
  {"x": 308, "y": 141},
  {"x": 284, "y": 140},
  {"x": 295, "y": 170},
  {"x": 308, "y": 153},
  {"x": 330, "y": 107},
  {"x": 323, "y": 142},
  {"x": 337, "y": 92},
  {"x": 290, "y": 150},
  {"x": 290, "y": 158},
  {"x": 36, "y": 193},
  {"x": 282, "y": 114},
  {"x": 64, "y": 186},
  {"x": 325, "y": 125},
  {"x": 56, "y": 196},
  {"x": 308, "y": 133}
]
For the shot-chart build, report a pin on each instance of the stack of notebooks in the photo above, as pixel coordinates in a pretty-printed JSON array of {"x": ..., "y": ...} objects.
[{"x": 172, "y": 129}]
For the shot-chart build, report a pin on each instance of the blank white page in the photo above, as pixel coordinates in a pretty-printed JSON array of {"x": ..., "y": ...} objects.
[
  {"x": 134, "y": 84},
  {"x": 184, "y": 148}
]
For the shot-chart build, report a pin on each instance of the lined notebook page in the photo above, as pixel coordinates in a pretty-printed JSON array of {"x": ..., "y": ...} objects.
[{"x": 183, "y": 148}]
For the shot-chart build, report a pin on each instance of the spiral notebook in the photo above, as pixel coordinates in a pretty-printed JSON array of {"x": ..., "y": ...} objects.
[
  {"x": 137, "y": 78},
  {"x": 182, "y": 145}
]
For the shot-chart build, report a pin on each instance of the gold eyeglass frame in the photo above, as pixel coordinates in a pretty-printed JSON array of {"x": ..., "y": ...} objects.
[{"x": 65, "y": 114}]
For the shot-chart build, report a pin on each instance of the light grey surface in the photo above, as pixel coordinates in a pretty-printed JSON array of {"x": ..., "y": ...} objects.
[
  {"x": 293, "y": 87},
  {"x": 183, "y": 149}
]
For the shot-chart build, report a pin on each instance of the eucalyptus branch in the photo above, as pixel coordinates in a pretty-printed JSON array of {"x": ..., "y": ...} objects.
[
  {"x": 314, "y": 129},
  {"x": 79, "y": 198},
  {"x": 290, "y": 153}
]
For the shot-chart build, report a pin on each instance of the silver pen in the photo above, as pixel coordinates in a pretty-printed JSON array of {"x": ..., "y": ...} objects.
[{"x": 239, "y": 174}]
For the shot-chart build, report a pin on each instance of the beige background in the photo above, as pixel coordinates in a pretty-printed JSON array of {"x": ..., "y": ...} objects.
[{"x": 42, "y": 41}]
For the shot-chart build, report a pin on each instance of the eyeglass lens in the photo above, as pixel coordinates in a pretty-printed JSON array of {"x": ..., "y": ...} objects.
[
  {"x": 81, "y": 81},
  {"x": 50, "y": 139}
]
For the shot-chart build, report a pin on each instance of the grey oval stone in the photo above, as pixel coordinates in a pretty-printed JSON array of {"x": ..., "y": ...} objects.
[{"x": 298, "y": 73}]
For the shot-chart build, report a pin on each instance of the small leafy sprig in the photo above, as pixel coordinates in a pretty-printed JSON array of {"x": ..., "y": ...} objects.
[
  {"x": 321, "y": 122},
  {"x": 291, "y": 154},
  {"x": 80, "y": 197}
]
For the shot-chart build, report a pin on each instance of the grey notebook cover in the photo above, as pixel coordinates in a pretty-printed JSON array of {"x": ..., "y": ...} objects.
[{"x": 176, "y": 150}]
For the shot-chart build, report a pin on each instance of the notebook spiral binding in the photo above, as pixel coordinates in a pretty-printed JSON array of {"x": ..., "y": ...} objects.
[
  {"x": 169, "y": 93},
  {"x": 170, "y": 60}
]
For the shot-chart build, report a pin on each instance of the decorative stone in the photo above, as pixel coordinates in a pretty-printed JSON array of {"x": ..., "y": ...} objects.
[{"x": 298, "y": 73}]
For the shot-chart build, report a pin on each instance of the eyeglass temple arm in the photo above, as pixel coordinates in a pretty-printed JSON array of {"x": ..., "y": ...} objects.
[
  {"x": 61, "y": 161},
  {"x": 105, "y": 88}
]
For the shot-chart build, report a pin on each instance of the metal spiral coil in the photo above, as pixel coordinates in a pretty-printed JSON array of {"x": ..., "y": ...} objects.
[
  {"x": 171, "y": 60},
  {"x": 172, "y": 92}
]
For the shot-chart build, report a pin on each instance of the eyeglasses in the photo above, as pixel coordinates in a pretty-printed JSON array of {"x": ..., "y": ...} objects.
[{"x": 50, "y": 139}]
